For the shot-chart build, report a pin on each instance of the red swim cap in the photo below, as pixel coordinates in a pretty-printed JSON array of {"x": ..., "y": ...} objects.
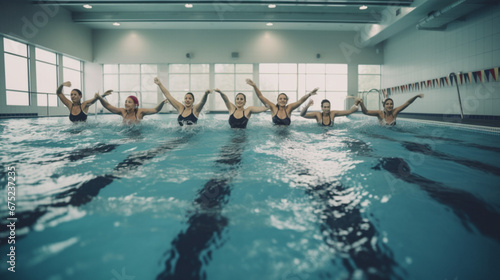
[{"x": 136, "y": 101}]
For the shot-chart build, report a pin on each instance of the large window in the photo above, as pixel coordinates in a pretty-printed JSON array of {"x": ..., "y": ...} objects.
[
  {"x": 275, "y": 78},
  {"x": 72, "y": 72},
  {"x": 231, "y": 79},
  {"x": 16, "y": 73},
  {"x": 183, "y": 78},
  {"x": 46, "y": 77},
  {"x": 369, "y": 78}
]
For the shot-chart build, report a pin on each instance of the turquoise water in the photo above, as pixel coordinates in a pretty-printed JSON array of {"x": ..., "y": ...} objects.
[{"x": 155, "y": 201}]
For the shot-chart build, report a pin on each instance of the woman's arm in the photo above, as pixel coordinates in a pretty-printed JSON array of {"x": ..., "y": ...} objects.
[
  {"x": 91, "y": 102},
  {"x": 304, "y": 113},
  {"x": 353, "y": 109},
  {"x": 255, "y": 109},
  {"x": 61, "y": 95},
  {"x": 407, "y": 103},
  {"x": 295, "y": 105},
  {"x": 264, "y": 100},
  {"x": 108, "y": 106},
  {"x": 177, "y": 105},
  {"x": 230, "y": 106},
  {"x": 203, "y": 100},
  {"x": 150, "y": 111},
  {"x": 369, "y": 112}
]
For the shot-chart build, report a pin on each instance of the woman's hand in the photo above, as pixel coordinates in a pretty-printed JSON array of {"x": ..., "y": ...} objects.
[
  {"x": 208, "y": 91},
  {"x": 251, "y": 83},
  {"x": 66, "y": 84},
  {"x": 157, "y": 81},
  {"x": 314, "y": 91},
  {"x": 217, "y": 90},
  {"x": 107, "y": 93}
]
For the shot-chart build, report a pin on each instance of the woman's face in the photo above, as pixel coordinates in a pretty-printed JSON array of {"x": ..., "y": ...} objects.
[
  {"x": 75, "y": 97},
  {"x": 188, "y": 100},
  {"x": 326, "y": 107},
  {"x": 388, "y": 105},
  {"x": 282, "y": 100},
  {"x": 129, "y": 104},
  {"x": 240, "y": 101}
]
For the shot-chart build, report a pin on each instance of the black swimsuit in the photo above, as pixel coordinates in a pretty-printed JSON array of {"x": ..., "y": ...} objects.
[
  {"x": 189, "y": 120},
  {"x": 278, "y": 121},
  {"x": 238, "y": 123},
  {"x": 77, "y": 118},
  {"x": 323, "y": 124}
]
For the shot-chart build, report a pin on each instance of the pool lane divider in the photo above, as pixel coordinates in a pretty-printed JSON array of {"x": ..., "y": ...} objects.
[{"x": 192, "y": 248}]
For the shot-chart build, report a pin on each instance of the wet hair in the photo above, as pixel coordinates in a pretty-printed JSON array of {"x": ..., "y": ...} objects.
[
  {"x": 240, "y": 93},
  {"x": 136, "y": 101},
  {"x": 279, "y": 97},
  {"x": 78, "y": 91},
  {"x": 190, "y": 93},
  {"x": 387, "y": 99},
  {"x": 324, "y": 101}
]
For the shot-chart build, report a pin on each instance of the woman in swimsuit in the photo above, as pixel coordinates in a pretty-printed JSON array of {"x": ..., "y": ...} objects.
[
  {"x": 281, "y": 112},
  {"x": 77, "y": 113},
  {"x": 188, "y": 113},
  {"x": 327, "y": 117},
  {"x": 239, "y": 115},
  {"x": 131, "y": 113},
  {"x": 387, "y": 117}
]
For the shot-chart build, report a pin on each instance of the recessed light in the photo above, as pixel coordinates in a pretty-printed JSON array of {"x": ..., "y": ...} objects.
[
  {"x": 364, "y": 7},
  {"x": 269, "y": 24},
  {"x": 188, "y": 6},
  {"x": 87, "y": 6},
  {"x": 271, "y": 6},
  {"x": 116, "y": 23}
]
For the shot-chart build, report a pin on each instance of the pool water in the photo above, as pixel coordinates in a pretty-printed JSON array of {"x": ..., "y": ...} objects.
[{"x": 102, "y": 200}]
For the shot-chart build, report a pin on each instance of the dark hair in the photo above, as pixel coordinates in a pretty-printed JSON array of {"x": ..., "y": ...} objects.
[
  {"x": 244, "y": 96},
  {"x": 325, "y": 101},
  {"x": 78, "y": 91},
  {"x": 192, "y": 95},
  {"x": 387, "y": 99},
  {"x": 279, "y": 97}
]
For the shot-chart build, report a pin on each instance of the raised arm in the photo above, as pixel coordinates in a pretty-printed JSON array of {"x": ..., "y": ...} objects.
[
  {"x": 264, "y": 100},
  {"x": 230, "y": 106},
  {"x": 304, "y": 113},
  {"x": 91, "y": 102},
  {"x": 61, "y": 95},
  {"x": 108, "y": 106},
  {"x": 203, "y": 100},
  {"x": 407, "y": 103},
  {"x": 177, "y": 105},
  {"x": 150, "y": 111},
  {"x": 299, "y": 102},
  {"x": 353, "y": 109},
  {"x": 369, "y": 112},
  {"x": 255, "y": 109}
]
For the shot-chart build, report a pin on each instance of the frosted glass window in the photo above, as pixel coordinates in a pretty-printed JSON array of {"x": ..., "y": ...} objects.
[
  {"x": 240, "y": 82},
  {"x": 74, "y": 77},
  {"x": 314, "y": 81},
  {"x": 368, "y": 69},
  {"x": 53, "y": 100},
  {"x": 149, "y": 68},
  {"x": 72, "y": 63},
  {"x": 200, "y": 82},
  {"x": 336, "y": 82},
  {"x": 314, "y": 68},
  {"x": 224, "y": 82},
  {"x": 110, "y": 82},
  {"x": 178, "y": 68},
  {"x": 287, "y": 82},
  {"x": 268, "y": 68},
  {"x": 14, "y": 47},
  {"x": 46, "y": 77},
  {"x": 337, "y": 100},
  {"x": 244, "y": 68},
  {"x": 287, "y": 68},
  {"x": 17, "y": 98},
  {"x": 367, "y": 82},
  {"x": 147, "y": 82},
  {"x": 46, "y": 56},
  {"x": 110, "y": 68},
  {"x": 16, "y": 72},
  {"x": 336, "y": 68},
  {"x": 149, "y": 99},
  {"x": 224, "y": 68},
  {"x": 268, "y": 81},
  {"x": 179, "y": 82},
  {"x": 200, "y": 68},
  {"x": 41, "y": 100},
  {"x": 129, "y": 69},
  {"x": 130, "y": 82}
]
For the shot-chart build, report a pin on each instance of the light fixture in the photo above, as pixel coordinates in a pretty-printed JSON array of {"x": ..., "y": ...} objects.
[
  {"x": 269, "y": 24},
  {"x": 271, "y": 6},
  {"x": 87, "y": 6},
  {"x": 188, "y": 6},
  {"x": 364, "y": 7},
  {"x": 116, "y": 23}
]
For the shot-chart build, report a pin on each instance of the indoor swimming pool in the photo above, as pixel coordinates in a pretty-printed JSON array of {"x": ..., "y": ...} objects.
[{"x": 102, "y": 200}]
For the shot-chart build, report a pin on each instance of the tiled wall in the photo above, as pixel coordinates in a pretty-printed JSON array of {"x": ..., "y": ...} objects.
[{"x": 470, "y": 45}]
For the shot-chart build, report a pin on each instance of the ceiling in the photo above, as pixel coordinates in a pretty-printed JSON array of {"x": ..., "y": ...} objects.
[{"x": 379, "y": 18}]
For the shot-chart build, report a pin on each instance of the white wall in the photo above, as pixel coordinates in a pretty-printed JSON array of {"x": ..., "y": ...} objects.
[{"x": 465, "y": 46}]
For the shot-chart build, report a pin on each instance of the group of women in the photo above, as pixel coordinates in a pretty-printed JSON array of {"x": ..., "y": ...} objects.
[{"x": 281, "y": 112}]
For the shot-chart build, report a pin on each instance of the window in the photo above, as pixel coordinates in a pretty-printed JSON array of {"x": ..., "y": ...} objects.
[
  {"x": 275, "y": 78},
  {"x": 46, "y": 77},
  {"x": 72, "y": 72},
  {"x": 231, "y": 79},
  {"x": 369, "y": 78},
  {"x": 16, "y": 73},
  {"x": 183, "y": 78},
  {"x": 331, "y": 80}
]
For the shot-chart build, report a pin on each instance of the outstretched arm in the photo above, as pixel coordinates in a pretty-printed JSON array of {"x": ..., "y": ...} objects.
[
  {"x": 353, "y": 109},
  {"x": 91, "y": 102},
  {"x": 177, "y": 105},
  {"x": 299, "y": 102},
  {"x": 61, "y": 95},
  {"x": 407, "y": 103},
  {"x": 264, "y": 100},
  {"x": 304, "y": 113},
  {"x": 108, "y": 106},
  {"x": 229, "y": 105},
  {"x": 368, "y": 112},
  {"x": 256, "y": 109},
  {"x": 150, "y": 111},
  {"x": 203, "y": 100}
]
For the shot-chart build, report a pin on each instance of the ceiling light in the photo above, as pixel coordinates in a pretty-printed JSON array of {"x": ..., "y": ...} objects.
[
  {"x": 188, "y": 6},
  {"x": 87, "y": 6},
  {"x": 364, "y": 7},
  {"x": 271, "y": 6},
  {"x": 269, "y": 24},
  {"x": 116, "y": 23}
]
